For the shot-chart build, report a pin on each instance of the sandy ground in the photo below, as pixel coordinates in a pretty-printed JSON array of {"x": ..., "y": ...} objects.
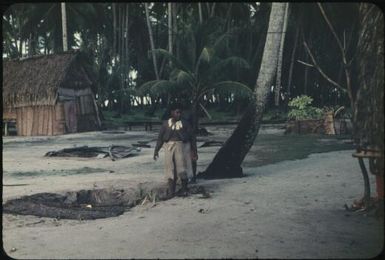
[{"x": 291, "y": 209}]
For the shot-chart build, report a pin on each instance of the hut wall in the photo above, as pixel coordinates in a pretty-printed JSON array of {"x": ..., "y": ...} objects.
[
  {"x": 70, "y": 115},
  {"x": 55, "y": 97},
  {"x": 87, "y": 116},
  {"x": 80, "y": 109},
  {"x": 65, "y": 117},
  {"x": 59, "y": 122},
  {"x": 9, "y": 114},
  {"x": 40, "y": 120}
]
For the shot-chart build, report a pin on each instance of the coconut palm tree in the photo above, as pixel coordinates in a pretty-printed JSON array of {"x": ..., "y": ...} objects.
[
  {"x": 227, "y": 162},
  {"x": 199, "y": 76}
]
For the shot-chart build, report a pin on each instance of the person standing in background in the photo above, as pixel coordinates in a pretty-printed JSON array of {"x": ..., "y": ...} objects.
[{"x": 178, "y": 139}]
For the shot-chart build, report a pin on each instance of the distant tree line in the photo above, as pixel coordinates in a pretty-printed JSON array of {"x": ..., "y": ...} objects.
[{"x": 119, "y": 38}]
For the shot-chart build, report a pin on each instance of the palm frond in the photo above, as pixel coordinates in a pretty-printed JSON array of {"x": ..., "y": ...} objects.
[
  {"x": 188, "y": 47},
  {"x": 234, "y": 62},
  {"x": 183, "y": 77},
  {"x": 204, "y": 58},
  {"x": 221, "y": 41},
  {"x": 145, "y": 88},
  {"x": 157, "y": 87},
  {"x": 177, "y": 63}
]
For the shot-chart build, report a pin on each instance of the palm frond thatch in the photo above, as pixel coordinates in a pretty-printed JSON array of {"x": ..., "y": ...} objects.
[{"x": 36, "y": 80}]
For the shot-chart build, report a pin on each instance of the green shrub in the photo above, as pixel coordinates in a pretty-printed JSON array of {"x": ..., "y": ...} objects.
[{"x": 300, "y": 109}]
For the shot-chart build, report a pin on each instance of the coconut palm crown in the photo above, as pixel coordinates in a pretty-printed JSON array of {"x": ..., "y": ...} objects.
[{"x": 199, "y": 76}]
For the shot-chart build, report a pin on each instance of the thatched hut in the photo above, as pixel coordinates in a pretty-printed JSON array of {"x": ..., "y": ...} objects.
[{"x": 49, "y": 95}]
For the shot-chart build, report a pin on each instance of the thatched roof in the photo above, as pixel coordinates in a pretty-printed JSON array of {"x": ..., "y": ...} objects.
[{"x": 36, "y": 80}]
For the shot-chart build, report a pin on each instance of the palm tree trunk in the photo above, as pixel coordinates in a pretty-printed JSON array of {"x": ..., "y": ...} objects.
[
  {"x": 169, "y": 14},
  {"x": 368, "y": 110},
  {"x": 280, "y": 57},
  {"x": 151, "y": 41},
  {"x": 208, "y": 9},
  {"x": 175, "y": 30},
  {"x": 20, "y": 47},
  {"x": 120, "y": 34},
  {"x": 305, "y": 81},
  {"x": 30, "y": 45},
  {"x": 64, "y": 26},
  {"x": 227, "y": 162},
  {"x": 195, "y": 116},
  {"x": 228, "y": 16},
  {"x": 125, "y": 67},
  {"x": 120, "y": 48},
  {"x": 306, "y": 71},
  {"x": 174, "y": 21},
  {"x": 292, "y": 62},
  {"x": 212, "y": 12},
  {"x": 45, "y": 44},
  {"x": 200, "y": 13},
  {"x": 114, "y": 30}
]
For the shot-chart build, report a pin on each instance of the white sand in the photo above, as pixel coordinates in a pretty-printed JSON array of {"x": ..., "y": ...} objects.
[{"x": 292, "y": 209}]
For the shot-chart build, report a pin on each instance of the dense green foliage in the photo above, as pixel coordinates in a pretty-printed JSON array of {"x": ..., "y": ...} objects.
[
  {"x": 204, "y": 35},
  {"x": 300, "y": 109}
]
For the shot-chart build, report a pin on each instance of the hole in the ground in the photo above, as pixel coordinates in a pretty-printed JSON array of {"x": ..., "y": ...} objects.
[
  {"x": 88, "y": 204},
  {"x": 84, "y": 204}
]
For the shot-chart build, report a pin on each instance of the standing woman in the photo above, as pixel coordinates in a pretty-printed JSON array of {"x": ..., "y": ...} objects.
[{"x": 179, "y": 141}]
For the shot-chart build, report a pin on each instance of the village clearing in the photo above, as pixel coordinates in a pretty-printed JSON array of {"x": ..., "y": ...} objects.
[{"x": 290, "y": 204}]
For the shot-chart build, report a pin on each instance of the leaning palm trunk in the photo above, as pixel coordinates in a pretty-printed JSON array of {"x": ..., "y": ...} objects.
[
  {"x": 227, "y": 162},
  {"x": 280, "y": 57}
]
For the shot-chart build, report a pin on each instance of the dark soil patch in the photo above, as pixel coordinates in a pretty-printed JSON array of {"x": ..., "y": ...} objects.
[
  {"x": 54, "y": 206},
  {"x": 90, "y": 204}
]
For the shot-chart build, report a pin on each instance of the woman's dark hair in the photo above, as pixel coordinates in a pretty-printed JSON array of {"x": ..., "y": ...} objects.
[
  {"x": 170, "y": 108},
  {"x": 175, "y": 106}
]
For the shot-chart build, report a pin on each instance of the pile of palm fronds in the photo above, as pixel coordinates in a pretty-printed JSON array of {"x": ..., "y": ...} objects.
[{"x": 113, "y": 151}]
